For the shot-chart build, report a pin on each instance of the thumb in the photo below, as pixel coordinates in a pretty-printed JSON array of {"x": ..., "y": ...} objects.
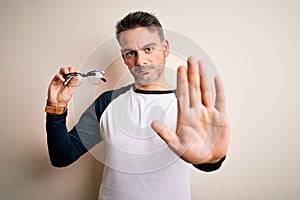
[{"x": 164, "y": 131}]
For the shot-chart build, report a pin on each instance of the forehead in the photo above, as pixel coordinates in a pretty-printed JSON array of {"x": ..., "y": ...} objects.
[{"x": 138, "y": 37}]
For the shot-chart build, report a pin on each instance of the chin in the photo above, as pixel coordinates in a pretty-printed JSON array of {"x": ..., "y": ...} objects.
[{"x": 146, "y": 81}]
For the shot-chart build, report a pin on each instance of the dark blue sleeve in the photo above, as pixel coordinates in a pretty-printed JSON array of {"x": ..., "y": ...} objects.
[
  {"x": 65, "y": 147},
  {"x": 209, "y": 167}
]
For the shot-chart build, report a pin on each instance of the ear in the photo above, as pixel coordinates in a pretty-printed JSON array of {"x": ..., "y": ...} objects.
[{"x": 166, "y": 49}]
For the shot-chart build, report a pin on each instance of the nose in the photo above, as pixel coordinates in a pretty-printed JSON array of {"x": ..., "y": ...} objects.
[{"x": 141, "y": 58}]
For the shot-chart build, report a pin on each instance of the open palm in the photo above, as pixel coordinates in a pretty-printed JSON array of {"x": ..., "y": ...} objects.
[{"x": 203, "y": 128}]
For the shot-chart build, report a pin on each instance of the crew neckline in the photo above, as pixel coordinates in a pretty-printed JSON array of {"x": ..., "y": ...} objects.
[{"x": 151, "y": 91}]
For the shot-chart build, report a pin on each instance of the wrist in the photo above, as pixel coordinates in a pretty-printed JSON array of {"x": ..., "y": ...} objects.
[
  {"x": 56, "y": 104},
  {"x": 55, "y": 109},
  {"x": 209, "y": 159}
]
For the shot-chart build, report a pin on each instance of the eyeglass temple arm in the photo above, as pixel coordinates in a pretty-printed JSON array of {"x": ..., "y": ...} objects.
[
  {"x": 69, "y": 76},
  {"x": 68, "y": 80},
  {"x": 100, "y": 75}
]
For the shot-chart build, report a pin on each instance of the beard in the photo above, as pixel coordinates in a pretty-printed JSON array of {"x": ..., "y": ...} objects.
[{"x": 146, "y": 74}]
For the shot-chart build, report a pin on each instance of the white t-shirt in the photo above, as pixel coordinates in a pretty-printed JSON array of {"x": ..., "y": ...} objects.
[{"x": 139, "y": 165}]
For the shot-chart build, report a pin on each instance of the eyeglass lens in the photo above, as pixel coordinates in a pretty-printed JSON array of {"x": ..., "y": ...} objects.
[{"x": 75, "y": 79}]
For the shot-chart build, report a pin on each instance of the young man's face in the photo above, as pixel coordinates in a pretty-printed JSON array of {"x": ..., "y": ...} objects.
[{"x": 144, "y": 53}]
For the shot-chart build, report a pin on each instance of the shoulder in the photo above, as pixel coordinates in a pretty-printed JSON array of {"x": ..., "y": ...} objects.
[
  {"x": 106, "y": 97},
  {"x": 112, "y": 94}
]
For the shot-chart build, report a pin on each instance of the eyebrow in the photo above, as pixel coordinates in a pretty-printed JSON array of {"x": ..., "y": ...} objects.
[{"x": 145, "y": 46}]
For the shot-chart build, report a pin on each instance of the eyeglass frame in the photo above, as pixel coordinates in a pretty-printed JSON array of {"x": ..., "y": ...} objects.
[{"x": 70, "y": 75}]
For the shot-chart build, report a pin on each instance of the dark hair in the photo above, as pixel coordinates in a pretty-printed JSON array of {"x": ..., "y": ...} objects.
[{"x": 139, "y": 19}]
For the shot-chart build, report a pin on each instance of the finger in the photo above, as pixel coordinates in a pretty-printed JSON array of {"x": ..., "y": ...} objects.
[
  {"x": 164, "y": 131},
  {"x": 57, "y": 78},
  {"x": 204, "y": 85},
  {"x": 194, "y": 82},
  {"x": 66, "y": 70},
  {"x": 179, "y": 116},
  {"x": 182, "y": 92},
  {"x": 220, "y": 95},
  {"x": 72, "y": 69},
  {"x": 63, "y": 70}
]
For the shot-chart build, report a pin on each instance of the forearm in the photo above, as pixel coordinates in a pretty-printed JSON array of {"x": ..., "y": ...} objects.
[{"x": 64, "y": 147}]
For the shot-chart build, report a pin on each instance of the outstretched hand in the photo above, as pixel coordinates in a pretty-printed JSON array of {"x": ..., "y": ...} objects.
[{"x": 203, "y": 128}]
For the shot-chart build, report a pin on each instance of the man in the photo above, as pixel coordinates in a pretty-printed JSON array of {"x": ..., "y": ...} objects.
[{"x": 151, "y": 136}]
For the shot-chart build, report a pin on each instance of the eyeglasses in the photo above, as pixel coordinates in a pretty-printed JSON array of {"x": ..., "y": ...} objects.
[{"x": 74, "y": 79}]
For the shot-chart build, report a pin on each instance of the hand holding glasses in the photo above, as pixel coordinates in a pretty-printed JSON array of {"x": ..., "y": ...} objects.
[{"x": 94, "y": 78}]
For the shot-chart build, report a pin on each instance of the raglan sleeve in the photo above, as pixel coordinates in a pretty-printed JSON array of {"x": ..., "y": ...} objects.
[{"x": 65, "y": 147}]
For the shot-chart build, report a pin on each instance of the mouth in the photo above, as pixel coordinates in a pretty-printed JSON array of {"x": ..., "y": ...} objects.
[{"x": 145, "y": 71}]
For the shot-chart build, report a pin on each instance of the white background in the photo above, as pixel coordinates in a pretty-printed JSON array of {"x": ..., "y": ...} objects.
[{"x": 255, "y": 45}]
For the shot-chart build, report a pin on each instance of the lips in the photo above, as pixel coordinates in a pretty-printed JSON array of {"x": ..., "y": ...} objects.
[
  {"x": 143, "y": 69},
  {"x": 144, "y": 72}
]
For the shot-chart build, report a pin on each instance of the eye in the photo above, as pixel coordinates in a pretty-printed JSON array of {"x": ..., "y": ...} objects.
[
  {"x": 148, "y": 49},
  {"x": 130, "y": 53}
]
